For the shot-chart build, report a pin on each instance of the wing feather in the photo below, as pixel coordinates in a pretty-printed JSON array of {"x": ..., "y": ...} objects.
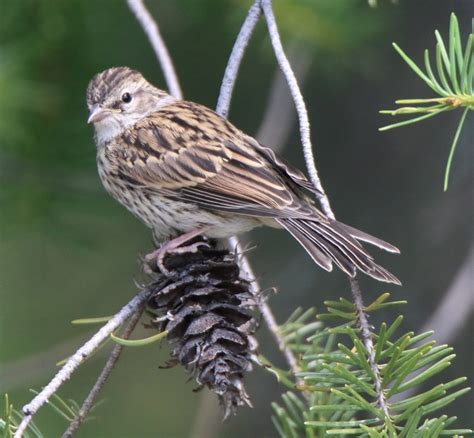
[{"x": 216, "y": 168}]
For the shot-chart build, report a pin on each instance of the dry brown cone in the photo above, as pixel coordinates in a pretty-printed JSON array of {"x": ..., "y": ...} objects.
[{"x": 206, "y": 308}]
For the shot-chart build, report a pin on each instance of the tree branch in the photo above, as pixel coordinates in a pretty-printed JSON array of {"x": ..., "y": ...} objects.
[
  {"x": 299, "y": 104},
  {"x": 151, "y": 29},
  {"x": 103, "y": 376},
  {"x": 235, "y": 59},
  {"x": 78, "y": 359},
  {"x": 366, "y": 333}
]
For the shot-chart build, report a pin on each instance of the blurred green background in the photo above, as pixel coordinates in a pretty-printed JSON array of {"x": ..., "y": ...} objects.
[{"x": 68, "y": 251}]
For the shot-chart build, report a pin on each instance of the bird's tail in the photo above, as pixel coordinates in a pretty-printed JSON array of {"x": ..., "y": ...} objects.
[{"x": 334, "y": 242}]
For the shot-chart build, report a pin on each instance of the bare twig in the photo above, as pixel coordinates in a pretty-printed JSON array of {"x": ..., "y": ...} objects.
[
  {"x": 78, "y": 358},
  {"x": 369, "y": 344},
  {"x": 299, "y": 104},
  {"x": 314, "y": 177},
  {"x": 153, "y": 32},
  {"x": 235, "y": 59},
  {"x": 103, "y": 376}
]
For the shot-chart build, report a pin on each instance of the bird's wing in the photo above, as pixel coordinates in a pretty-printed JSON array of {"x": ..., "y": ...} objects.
[
  {"x": 189, "y": 153},
  {"x": 298, "y": 177}
]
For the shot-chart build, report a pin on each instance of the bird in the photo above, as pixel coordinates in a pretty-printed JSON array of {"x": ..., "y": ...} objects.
[{"x": 186, "y": 171}]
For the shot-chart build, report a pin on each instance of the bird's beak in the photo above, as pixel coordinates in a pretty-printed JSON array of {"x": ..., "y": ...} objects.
[{"x": 97, "y": 114}]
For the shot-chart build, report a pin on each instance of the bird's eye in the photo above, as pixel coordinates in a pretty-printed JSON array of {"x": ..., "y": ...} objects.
[{"x": 126, "y": 97}]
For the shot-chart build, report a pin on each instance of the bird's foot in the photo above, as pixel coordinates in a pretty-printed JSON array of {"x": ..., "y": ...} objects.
[{"x": 157, "y": 257}]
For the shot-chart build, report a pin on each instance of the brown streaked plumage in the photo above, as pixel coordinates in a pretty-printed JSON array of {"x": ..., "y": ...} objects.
[{"x": 182, "y": 168}]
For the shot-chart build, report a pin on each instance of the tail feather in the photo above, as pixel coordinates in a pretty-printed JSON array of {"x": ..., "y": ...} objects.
[
  {"x": 352, "y": 249},
  {"x": 336, "y": 242},
  {"x": 364, "y": 237},
  {"x": 319, "y": 255},
  {"x": 326, "y": 246}
]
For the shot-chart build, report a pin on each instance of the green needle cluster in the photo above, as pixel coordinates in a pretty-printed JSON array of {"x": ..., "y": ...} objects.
[
  {"x": 337, "y": 388},
  {"x": 451, "y": 80}
]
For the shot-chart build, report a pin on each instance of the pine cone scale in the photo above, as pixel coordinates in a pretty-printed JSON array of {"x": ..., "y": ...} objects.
[{"x": 206, "y": 308}]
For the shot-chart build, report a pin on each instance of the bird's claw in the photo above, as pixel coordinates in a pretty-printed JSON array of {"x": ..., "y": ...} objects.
[
  {"x": 193, "y": 248},
  {"x": 157, "y": 257}
]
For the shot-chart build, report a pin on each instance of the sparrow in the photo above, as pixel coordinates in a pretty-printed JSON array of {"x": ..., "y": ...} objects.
[{"x": 186, "y": 171}]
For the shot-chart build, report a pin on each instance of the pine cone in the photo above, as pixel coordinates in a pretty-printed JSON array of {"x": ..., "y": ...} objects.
[{"x": 206, "y": 308}]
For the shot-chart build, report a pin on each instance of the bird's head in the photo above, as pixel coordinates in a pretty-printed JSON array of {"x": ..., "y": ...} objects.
[{"x": 118, "y": 98}]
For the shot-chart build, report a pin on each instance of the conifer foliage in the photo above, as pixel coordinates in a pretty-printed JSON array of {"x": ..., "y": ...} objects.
[{"x": 339, "y": 394}]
